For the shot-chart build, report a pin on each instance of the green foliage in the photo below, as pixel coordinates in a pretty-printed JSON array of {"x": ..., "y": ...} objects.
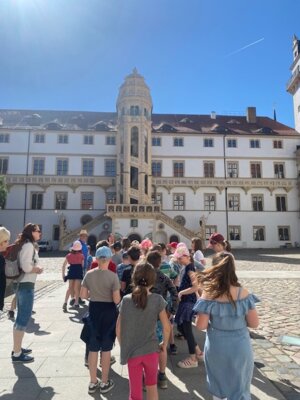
[{"x": 3, "y": 192}]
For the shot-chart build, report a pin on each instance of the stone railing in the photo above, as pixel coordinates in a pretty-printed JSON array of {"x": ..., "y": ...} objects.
[
  {"x": 177, "y": 227},
  {"x": 222, "y": 183},
  {"x": 135, "y": 210},
  {"x": 73, "y": 235}
]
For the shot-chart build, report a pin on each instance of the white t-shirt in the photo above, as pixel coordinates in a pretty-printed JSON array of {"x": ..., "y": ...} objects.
[{"x": 198, "y": 256}]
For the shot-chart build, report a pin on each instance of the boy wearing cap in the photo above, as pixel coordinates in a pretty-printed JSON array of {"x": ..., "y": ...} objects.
[
  {"x": 103, "y": 288},
  {"x": 218, "y": 243}
]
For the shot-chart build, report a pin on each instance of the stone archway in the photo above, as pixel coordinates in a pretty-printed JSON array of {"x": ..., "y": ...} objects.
[{"x": 135, "y": 236}]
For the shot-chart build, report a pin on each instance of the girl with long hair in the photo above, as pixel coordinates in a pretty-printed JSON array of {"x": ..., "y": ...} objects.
[
  {"x": 226, "y": 310},
  {"x": 136, "y": 332}
]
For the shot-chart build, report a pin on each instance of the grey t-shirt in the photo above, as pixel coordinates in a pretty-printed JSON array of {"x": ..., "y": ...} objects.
[
  {"x": 138, "y": 327},
  {"x": 101, "y": 284}
]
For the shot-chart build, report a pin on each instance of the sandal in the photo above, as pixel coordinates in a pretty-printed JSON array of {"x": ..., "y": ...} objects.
[{"x": 188, "y": 363}]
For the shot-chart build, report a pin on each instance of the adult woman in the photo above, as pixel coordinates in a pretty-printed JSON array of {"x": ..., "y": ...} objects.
[
  {"x": 218, "y": 243},
  {"x": 187, "y": 296},
  {"x": 4, "y": 240},
  {"x": 29, "y": 259},
  {"x": 226, "y": 309}
]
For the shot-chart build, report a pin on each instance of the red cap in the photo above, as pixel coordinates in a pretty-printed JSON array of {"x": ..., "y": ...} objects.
[
  {"x": 215, "y": 238},
  {"x": 173, "y": 245}
]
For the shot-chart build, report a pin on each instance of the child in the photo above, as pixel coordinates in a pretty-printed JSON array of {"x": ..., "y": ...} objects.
[
  {"x": 187, "y": 296},
  {"x": 75, "y": 259},
  {"x": 99, "y": 332},
  {"x": 136, "y": 332},
  {"x": 197, "y": 251},
  {"x": 124, "y": 265},
  {"x": 89, "y": 259},
  {"x": 226, "y": 309}
]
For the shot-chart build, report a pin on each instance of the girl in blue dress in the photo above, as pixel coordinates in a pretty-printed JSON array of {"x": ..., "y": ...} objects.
[{"x": 226, "y": 310}]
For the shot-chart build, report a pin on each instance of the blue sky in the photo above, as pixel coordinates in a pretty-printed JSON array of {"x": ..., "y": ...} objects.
[{"x": 74, "y": 54}]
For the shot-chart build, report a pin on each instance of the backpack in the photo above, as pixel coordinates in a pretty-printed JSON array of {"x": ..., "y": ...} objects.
[{"x": 13, "y": 269}]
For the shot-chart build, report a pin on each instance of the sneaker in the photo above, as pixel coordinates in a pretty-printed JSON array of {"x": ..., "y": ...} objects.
[
  {"x": 173, "y": 349},
  {"x": 64, "y": 307},
  {"x": 162, "y": 381},
  {"x": 94, "y": 386},
  {"x": 72, "y": 302},
  {"x": 23, "y": 358},
  {"x": 81, "y": 302},
  {"x": 106, "y": 387},
  {"x": 76, "y": 306},
  {"x": 112, "y": 361},
  {"x": 11, "y": 314},
  {"x": 188, "y": 363},
  {"x": 24, "y": 351}
]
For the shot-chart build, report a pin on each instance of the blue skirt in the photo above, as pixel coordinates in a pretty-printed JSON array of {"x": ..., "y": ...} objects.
[
  {"x": 185, "y": 312},
  {"x": 99, "y": 331},
  {"x": 75, "y": 271}
]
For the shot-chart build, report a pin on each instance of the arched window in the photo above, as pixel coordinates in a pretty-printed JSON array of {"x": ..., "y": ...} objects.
[
  {"x": 146, "y": 150},
  {"x": 134, "y": 110},
  {"x": 134, "y": 142}
]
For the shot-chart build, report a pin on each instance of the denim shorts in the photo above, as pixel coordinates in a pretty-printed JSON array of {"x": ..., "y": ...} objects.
[
  {"x": 159, "y": 331},
  {"x": 25, "y": 295}
]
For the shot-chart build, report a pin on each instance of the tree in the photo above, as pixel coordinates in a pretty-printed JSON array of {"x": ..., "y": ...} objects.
[{"x": 3, "y": 192}]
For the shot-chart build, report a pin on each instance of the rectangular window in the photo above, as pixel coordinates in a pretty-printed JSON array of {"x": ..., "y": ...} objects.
[
  {"x": 255, "y": 169},
  {"x": 178, "y": 201},
  {"x": 258, "y": 233},
  {"x": 277, "y": 144},
  {"x": 209, "y": 230},
  {"x": 257, "y": 202},
  {"x": 38, "y": 166},
  {"x": 281, "y": 203},
  {"x": 87, "y": 200},
  {"x": 110, "y": 140},
  {"x": 279, "y": 170},
  {"x": 156, "y": 198},
  {"x": 234, "y": 202},
  {"x": 111, "y": 197},
  {"x": 209, "y": 202},
  {"x": 231, "y": 143},
  {"x": 234, "y": 232},
  {"x": 62, "y": 166},
  {"x": 88, "y": 167},
  {"x": 55, "y": 232},
  {"x": 178, "y": 142},
  {"x": 209, "y": 169},
  {"x": 39, "y": 138},
  {"x": 156, "y": 168},
  {"x": 4, "y": 138},
  {"x": 156, "y": 141},
  {"x": 36, "y": 201},
  {"x": 134, "y": 223},
  {"x": 208, "y": 142},
  {"x": 3, "y": 166},
  {"x": 284, "y": 233},
  {"x": 110, "y": 167},
  {"x": 232, "y": 169},
  {"x": 63, "y": 139},
  {"x": 134, "y": 178},
  {"x": 178, "y": 169},
  {"x": 61, "y": 200},
  {"x": 254, "y": 144},
  {"x": 88, "y": 139}
]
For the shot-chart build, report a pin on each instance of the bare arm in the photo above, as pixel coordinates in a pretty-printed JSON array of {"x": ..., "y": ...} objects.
[
  {"x": 193, "y": 288},
  {"x": 116, "y": 296},
  {"x": 63, "y": 269},
  {"x": 84, "y": 293},
  {"x": 166, "y": 327},
  {"x": 202, "y": 321},
  {"x": 252, "y": 319}
]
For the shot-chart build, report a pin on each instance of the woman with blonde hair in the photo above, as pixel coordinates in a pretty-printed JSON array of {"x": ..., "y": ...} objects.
[{"x": 226, "y": 310}]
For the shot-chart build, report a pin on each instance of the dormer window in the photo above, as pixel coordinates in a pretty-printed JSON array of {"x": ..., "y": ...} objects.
[
  {"x": 166, "y": 128},
  {"x": 186, "y": 120}
]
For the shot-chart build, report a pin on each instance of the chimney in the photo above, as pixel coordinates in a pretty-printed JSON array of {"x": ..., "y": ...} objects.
[
  {"x": 251, "y": 115},
  {"x": 213, "y": 115}
]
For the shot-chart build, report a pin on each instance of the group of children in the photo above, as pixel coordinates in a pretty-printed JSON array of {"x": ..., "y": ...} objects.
[{"x": 138, "y": 299}]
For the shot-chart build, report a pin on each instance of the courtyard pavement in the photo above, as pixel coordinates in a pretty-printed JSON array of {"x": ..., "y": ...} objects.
[{"x": 58, "y": 371}]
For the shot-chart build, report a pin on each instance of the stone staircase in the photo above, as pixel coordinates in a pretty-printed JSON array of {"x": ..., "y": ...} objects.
[
  {"x": 69, "y": 238},
  {"x": 174, "y": 225}
]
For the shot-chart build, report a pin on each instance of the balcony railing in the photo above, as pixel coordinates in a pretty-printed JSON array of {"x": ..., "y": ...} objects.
[
  {"x": 132, "y": 209},
  {"x": 59, "y": 180}
]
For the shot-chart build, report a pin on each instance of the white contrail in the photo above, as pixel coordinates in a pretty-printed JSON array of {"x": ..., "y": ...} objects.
[{"x": 245, "y": 47}]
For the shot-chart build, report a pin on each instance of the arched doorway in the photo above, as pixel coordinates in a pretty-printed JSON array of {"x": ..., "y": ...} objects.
[
  {"x": 161, "y": 237},
  {"x": 134, "y": 236},
  {"x": 174, "y": 238}
]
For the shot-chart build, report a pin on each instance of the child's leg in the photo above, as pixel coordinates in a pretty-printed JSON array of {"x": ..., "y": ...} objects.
[
  {"x": 77, "y": 286},
  {"x": 105, "y": 364},
  {"x": 150, "y": 364},
  {"x": 93, "y": 360},
  {"x": 188, "y": 334},
  {"x": 71, "y": 288},
  {"x": 13, "y": 304},
  {"x": 67, "y": 295},
  {"x": 135, "y": 373}
]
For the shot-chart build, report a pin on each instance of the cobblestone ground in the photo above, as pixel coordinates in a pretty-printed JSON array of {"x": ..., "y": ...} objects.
[{"x": 279, "y": 311}]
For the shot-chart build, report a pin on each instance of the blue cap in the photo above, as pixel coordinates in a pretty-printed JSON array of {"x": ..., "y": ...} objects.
[{"x": 103, "y": 252}]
